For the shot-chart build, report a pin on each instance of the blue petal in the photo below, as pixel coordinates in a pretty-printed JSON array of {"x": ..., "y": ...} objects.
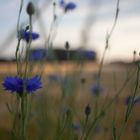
[
  {"x": 96, "y": 89},
  {"x": 37, "y": 55},
  {"x": 62, "y": 3},
  {"x": 76, "y": 126},
  {"x": 54, "y": 77},
  {"x": 13, "y": 84},
  {"x": 25, "y": 35},
  {"x": 16, "y": 84},
  {"x": 70, "y": 6},
  {"x": 33, "y": 35},
  {"x": 33, "y": 84},
  {"x": 89, "y": 55}
]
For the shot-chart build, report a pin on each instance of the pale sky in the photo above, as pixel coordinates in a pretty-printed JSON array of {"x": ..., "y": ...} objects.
[{"x": 125, "y": 38}]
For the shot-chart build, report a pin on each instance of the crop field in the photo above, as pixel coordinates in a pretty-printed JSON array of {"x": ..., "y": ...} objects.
[{"x": 49, "y": 104}]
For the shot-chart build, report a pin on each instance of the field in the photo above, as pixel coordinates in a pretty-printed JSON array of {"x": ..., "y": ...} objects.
[{"x": 48, "y": 103}]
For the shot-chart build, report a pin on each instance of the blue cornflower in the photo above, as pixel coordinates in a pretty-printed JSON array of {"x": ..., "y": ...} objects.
[
  {"x": 62, "y": 3},
  {"x": 67, "y": 6},
  {"x": 16, "y": 84},
  {"x": 129, "y": 99},
  {"x": 70, "y": 6},
  {"x": 96, "y": 89},
  {"x": 33, "y": 84},
  {"x": 54, "y": 77},
  {"x": 25, "y": 35},
  {"x": 76, "y": 126},
  {"x": 37, "y": 55},
  {"x": 89, "y": 55},
  {"x": 13, "y": 84}
]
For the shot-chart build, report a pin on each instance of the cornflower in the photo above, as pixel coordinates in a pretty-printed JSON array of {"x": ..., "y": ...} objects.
[
  {"x": 67, "y": 6},
  {"x": 18, "y": 84},
  {"x": 27, "y": 35}
]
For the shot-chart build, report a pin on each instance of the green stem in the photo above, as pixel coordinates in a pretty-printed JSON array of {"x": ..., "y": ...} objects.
[
  {"x": 93, "y": 125},
  {"x": 15, "y": 127},
  {"x": 84, "y": 128},
  {"x": 24, "y": 117},
  {"x": 24, "y": 102},
  {"x": 20, "y": 10},
  {"x": 105, "y": 108},
  {"x": 28, "y": 47}
]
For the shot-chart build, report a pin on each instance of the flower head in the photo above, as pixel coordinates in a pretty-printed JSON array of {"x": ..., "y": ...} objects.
[
  {"x": 96, "y": 89},
  {"x": 33, "y": 84},
  {"x": 54, "y": 77},
  {"x": 67, "y": 6},
  {"x": 25, "y": 35},
  {"x": 76, "y": 126},
  {"x": 37, "y": 55},
  {"x": 62, "y": 3},
  {"x": 89, "y": 55},
  {"x": 70, "y": 6},
  {"x": 17, "y": 84}
]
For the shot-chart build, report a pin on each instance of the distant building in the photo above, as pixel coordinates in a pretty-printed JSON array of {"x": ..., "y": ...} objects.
[{"x": 61, "y": 54}]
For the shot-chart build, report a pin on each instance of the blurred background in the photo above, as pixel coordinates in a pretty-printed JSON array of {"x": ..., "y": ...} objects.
[{"x": 88, "y": 23}]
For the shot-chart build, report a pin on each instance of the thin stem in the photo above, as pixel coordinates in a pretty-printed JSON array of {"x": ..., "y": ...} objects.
[
  {"x": 17, "y": 59},
  {"x": 24, "y": 102},
  {"x": 16, "y": 116},
  {"x": 18, "y": 29},
  {"x": 28, "y": 47},
  {"x": 84, "y": 128},
  {"x": 105, "y": 50},
  {"x": 20, "y": 10},
  {"x": 108, "y": 38},
  {"x": 106, "y": 107},
  {"x": 23, "y": 115},
  {"x": 94, "y": 123}
]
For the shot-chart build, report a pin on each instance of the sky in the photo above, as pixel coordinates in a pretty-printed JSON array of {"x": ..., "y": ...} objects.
[{"x": 86, "y": 26}]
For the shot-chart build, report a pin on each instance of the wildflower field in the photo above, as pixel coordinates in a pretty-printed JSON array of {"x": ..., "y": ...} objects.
[
  {"x": 48, "y": 107},
  {"x": 79, "y": 98}
]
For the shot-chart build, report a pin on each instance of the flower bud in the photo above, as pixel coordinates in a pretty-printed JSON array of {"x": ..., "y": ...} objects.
[
  {"x": 87, "y": 110},
  {"x": 83, "y": 80},
  {"x": 54, "y": 4},
  {"x": 134, "y": 52},
  {"x": 30, "y": 8},
  {"x": 67, "y": 45}
]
